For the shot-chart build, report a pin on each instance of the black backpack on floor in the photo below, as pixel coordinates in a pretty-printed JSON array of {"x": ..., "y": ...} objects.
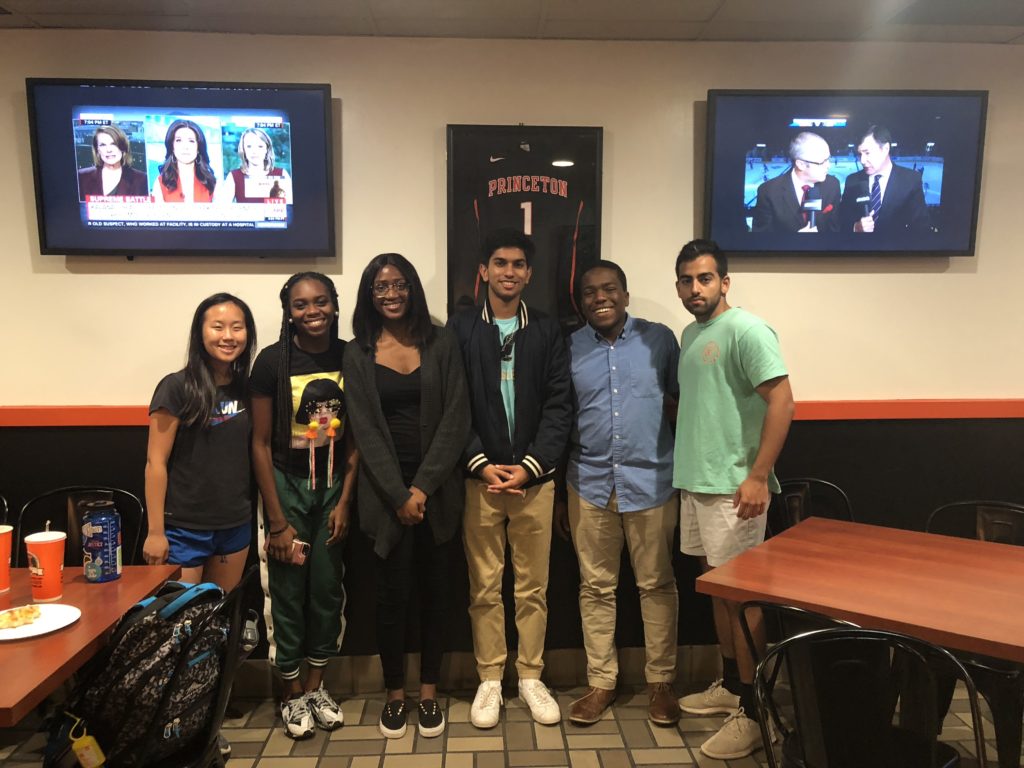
[{"x": 151, "y": 692}]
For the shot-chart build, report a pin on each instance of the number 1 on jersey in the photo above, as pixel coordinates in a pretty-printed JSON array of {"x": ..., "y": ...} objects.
[{"x": 527, "y": 217}]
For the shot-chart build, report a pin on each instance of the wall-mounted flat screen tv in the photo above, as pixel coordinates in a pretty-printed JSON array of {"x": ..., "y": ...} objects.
[
  {"x": 844, "y": 172},
  {"x": 131, "y": 167}
]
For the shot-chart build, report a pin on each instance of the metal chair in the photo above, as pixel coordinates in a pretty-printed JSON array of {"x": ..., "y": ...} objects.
[
  {"x": 805, "y": 497},
  {"x": 782, "y": 622},
  {"x": 1000, "y": 682},
  {"x": 842, "y": 683},
  {"x": 62, "y": 508},
  {"x": 3, "y": 510},
  {"x": 998, "y": 521}
]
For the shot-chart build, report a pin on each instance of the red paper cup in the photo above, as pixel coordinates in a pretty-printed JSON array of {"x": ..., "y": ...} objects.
[
  {"x": 46, "y": 565},
  {"x": 6, "y": 532}
]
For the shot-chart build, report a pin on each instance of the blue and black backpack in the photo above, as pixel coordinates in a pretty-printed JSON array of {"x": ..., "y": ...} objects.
[{"x": 150, "y": 693}]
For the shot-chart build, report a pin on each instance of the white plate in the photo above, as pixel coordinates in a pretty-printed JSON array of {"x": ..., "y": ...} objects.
[{"x": 52, "y": 616}]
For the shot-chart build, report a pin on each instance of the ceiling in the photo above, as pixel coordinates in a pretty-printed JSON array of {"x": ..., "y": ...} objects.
[{"x": 963, "y": 21}]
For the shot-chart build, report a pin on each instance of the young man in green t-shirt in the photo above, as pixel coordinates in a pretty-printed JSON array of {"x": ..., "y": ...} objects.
[{"x": 735, "y": 407}]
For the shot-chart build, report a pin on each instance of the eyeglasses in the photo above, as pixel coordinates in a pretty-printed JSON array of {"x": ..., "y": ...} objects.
[
  {"x": 815, "y": 162},
  {"x": 382, "y": 289}
]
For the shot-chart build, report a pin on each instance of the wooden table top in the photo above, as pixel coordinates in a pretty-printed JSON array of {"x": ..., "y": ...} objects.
[
  {"x": 35, "y": 667},
  {"x": 957, "y": 593}
]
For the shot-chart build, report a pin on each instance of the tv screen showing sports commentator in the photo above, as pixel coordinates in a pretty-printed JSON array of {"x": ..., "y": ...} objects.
[
  {"x": 155, "y": 167},
  {"x": 844, "y": 172}
]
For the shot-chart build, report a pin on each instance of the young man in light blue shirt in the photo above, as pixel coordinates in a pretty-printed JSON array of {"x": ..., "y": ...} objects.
[{"x": 620, "y": 492}]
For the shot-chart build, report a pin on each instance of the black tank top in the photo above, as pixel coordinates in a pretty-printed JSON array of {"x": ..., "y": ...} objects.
[{"x": 400, "y": 400}]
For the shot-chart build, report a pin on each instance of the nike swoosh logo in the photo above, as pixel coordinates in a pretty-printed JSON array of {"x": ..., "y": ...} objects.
[{"x": 496, "y": 159}]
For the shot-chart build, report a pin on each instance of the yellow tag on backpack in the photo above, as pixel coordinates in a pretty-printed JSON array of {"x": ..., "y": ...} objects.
[{"x": 85, "y": 747}]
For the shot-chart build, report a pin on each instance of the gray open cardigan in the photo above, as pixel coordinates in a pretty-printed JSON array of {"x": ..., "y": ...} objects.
[{"x": 444, "y": 429}]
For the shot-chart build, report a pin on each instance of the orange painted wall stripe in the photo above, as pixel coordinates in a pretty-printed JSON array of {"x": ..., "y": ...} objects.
[
  {"x": 808, "y": 410},
  {"x": 852, "y": 410},
  {"x": 74, "y": 416}
]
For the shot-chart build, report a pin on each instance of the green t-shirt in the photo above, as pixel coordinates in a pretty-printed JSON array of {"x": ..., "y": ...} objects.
[
  {"x": 506, "y": 328},
  {"x": 718, "y": 427}
]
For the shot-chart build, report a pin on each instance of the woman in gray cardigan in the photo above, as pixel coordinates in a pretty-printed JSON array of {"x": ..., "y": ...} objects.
[{"x": 405, "y": 389}]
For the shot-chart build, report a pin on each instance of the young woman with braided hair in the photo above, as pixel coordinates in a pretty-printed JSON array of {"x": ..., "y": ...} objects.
[{"x": 304, "y": 463}]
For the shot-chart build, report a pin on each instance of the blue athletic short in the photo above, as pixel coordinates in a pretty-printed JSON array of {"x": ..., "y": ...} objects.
[{"x": 189, "y": 547}]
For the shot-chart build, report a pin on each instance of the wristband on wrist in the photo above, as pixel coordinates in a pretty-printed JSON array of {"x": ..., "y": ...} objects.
[{"x": 278, "y": 532}]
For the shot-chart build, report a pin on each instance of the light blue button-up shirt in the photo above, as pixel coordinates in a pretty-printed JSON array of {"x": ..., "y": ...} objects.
[{"x": 621, "y": 440}]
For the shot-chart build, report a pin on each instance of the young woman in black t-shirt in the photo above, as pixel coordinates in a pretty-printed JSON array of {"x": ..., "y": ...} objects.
[
  {"x": 197, "y": 460},
  {"x": 305, "y": 466}
]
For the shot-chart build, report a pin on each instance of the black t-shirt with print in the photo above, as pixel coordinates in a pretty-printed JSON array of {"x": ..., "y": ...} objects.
[
  {"x": 208, "y": 479},
  {"x": 318, "y": 394}
]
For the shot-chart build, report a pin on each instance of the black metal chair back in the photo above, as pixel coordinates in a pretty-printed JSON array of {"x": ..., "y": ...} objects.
[
  {"x": 805, "y": 497},
  {"x": 843, "y": 682},
  {"x": 780, "y": 622},
  {"x": 3, "y": 510},
  {"x": 998, "y": 521},
  {"x": 1000, "y": 682},
  {"x": 62, "y": 508}
]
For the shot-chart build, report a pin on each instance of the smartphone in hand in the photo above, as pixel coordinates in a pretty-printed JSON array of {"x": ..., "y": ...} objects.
[{"x": 300, "y": 550}]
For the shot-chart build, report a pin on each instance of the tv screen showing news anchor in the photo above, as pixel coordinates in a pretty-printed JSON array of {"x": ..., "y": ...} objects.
[
  {"x": 844, "y": 172},
  {"x": 168, "y": 168}
]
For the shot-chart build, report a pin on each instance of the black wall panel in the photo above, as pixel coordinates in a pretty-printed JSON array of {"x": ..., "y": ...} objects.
[{"x": 895, "y": 473}]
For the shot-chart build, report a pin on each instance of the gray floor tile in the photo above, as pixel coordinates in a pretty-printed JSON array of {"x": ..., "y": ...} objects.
[{"x": 624, "y": 739}]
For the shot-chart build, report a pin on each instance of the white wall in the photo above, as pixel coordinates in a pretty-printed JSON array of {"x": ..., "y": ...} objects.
[{"x": 89, "y": 330}]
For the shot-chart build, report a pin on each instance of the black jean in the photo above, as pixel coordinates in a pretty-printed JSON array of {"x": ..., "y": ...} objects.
[{"x": 416, "y": 564}]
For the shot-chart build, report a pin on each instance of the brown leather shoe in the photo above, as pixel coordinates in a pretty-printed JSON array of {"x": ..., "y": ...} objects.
[
  {"x": 588, "y": 708},
  {"x": 662, "y": 707}
]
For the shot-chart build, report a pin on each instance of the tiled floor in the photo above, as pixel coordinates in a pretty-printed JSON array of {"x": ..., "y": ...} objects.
[{"x": 623, "y": 739}]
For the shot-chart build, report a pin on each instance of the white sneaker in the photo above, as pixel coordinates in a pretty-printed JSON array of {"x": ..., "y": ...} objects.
[
  {"x": 738, "y": 737},
  {"x": 716, "y": 700},
  {"x": 486, "y": 709},
  {"x": 325, "y": 710},
  {"x": 537, "y": 697},
  {"x": 298, "y": 722}
]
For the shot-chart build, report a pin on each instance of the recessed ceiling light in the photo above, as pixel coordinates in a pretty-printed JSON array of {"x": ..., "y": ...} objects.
[{"x": 563, "y": 163}]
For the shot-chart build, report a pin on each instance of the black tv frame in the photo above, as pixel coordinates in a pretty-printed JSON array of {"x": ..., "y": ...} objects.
[
  {"x": 328, "y": 250},
  {"x": 712, "y": 104}
]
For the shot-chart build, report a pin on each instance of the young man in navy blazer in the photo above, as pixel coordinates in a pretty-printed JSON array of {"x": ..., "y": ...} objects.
[
  {"x": 517, "y": 372},
  {"x": 784, "y": 204},
  {"x": 900, "y": 205}
]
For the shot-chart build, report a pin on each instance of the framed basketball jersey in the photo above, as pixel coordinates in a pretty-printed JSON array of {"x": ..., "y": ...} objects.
[{"x": 542, "y": 180}]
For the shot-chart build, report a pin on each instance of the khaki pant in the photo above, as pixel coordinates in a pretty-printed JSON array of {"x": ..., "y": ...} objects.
[
  {"x": 528, "y": 533},
  {"x": 598, "y": 535}
]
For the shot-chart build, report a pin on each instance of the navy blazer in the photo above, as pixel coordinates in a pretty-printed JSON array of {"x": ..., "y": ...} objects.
[
  {"x": 903, "y": 208},
  {"x": 778, "y": 209},
  {"x": 543, "y": 402}
]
